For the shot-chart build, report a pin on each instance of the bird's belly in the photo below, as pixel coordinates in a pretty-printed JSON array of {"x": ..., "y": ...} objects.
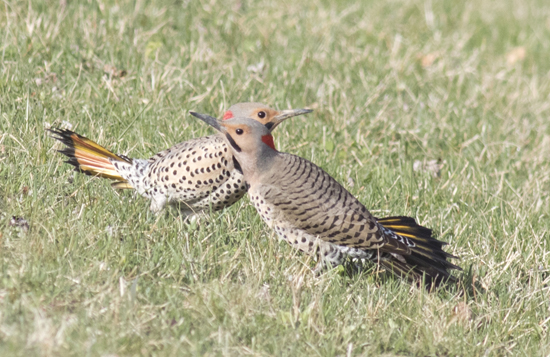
[
  {"x": 217, "y": 196},
  {"x": 300, "y": 239}
]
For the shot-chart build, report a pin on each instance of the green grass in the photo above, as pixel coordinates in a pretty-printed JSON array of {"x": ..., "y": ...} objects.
[{"x": 391, "y": 82}]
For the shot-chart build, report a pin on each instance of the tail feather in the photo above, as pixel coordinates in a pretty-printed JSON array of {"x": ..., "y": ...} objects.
[
  {"x": 88, "y": 157},
  {"x": 425, "y": 258}
]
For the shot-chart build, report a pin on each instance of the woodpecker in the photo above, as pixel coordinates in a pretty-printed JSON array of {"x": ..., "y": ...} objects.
[{"x": 197, "y": 175}]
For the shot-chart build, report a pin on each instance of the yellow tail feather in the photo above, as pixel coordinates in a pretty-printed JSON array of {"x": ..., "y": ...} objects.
[{"x": 88, "y": 157}]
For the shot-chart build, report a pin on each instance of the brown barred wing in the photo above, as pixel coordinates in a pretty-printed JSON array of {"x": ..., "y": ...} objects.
[{"x": 309, "y": 199}]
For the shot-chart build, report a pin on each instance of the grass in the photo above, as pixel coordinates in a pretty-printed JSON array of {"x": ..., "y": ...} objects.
[{"x": 392, "y": 82}]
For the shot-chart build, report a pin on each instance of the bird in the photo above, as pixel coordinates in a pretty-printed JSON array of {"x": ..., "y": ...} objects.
[
  {"x": 196, "y": 175},
  {"x": 312, "y": 212}
]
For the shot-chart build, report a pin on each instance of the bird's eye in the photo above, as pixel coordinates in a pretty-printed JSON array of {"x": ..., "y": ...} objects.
[
  {"x": 239, "y": 131},
  {"x": 261, "y": 114}
]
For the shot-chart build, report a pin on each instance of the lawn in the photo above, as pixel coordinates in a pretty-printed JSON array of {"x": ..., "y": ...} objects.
[{"x": 438, "y": 110}]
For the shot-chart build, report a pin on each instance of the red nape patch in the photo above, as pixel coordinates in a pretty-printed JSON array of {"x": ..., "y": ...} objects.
[
  {"x": 227, "y": 115},
  {"x": 268, "y": 140}
]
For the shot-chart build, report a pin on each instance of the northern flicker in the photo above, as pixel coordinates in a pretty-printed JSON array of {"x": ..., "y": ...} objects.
[
  {"x": 312, "y": 212},
  {"x": 197, "y": 175}
]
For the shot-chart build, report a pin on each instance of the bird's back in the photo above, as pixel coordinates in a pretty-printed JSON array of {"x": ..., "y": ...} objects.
[{"x": 304, "y": 195}]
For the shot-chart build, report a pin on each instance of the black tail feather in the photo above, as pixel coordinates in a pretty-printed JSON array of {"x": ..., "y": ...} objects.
[{"x": 426, "y": 259}]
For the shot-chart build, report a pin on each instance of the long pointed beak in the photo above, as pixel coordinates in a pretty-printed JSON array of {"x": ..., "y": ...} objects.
[
  {"x": 213, "y": 122},
  {"x": 285, "y": 114}
]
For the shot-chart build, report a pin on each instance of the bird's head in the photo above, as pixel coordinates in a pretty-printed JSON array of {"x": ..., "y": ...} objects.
[
  {"x": 262, "y": 113},
  {"x": 245, "y": 135}
]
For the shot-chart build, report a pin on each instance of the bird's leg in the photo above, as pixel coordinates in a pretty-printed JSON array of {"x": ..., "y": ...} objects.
[
  {"x": 328, "y": 256},
  {"x": 319, "y": 267}
]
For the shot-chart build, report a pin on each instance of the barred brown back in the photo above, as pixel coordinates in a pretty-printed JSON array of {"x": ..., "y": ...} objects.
[{"x": 314, "y": 202}]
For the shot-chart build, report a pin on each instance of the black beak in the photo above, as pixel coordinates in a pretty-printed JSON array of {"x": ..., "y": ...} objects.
[{"x": 213, "y": 122}]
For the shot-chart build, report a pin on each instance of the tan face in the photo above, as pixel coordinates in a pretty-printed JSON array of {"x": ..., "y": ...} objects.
[
  {"x": 245, "y": 138},
  {"x": 262, "y": 114},
  {"x": 237, "y": 130}
]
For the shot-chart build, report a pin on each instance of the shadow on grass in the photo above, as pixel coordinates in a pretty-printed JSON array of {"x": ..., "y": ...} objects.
[{"x": 464, "y": 285}]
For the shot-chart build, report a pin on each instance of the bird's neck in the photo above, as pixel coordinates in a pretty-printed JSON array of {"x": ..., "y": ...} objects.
[{"x": 257, "y": 165}]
